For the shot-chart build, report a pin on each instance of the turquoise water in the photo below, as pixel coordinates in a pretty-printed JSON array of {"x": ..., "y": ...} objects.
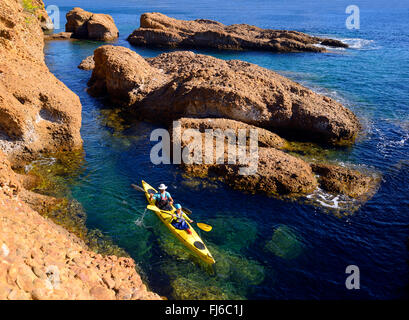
[{"x": 265, "y": 248}]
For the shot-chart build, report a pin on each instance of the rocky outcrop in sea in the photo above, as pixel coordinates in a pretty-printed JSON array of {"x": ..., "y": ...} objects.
[
  {"x": 88, "y": 25},
  {"x": 203, "y": 92},
  {"x": 185, "y": 84},
  {"x": 159, "y": 30}
]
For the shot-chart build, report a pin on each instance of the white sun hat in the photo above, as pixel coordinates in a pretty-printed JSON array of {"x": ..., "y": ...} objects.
[{"x": 162, "y": 187}]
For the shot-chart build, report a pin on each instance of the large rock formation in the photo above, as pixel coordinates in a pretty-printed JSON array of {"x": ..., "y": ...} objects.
[
  {"x": 184, "y": 84},
  {"x": 37, "y": 111},
  {"x": 159, "y": 30},
  {"x": 88, "y": 25},
  {"x": 277, "y": 172}
]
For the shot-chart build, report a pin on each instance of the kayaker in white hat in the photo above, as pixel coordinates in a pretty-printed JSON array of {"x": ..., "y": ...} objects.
[{"x": 163, "y": 199}]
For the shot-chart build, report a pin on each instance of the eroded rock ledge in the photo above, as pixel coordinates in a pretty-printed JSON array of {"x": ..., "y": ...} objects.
[
  {"x": 159, "y": 30},
  {"x": 184, "y": 84}
]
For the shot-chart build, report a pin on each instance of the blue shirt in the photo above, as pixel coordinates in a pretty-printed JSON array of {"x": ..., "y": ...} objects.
[{"x": 157, "y": 196}]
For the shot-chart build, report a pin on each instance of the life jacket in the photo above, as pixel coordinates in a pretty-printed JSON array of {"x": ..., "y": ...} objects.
[
  {"x": 163, "y": 201},
  {"x": 179, "y": 217}
]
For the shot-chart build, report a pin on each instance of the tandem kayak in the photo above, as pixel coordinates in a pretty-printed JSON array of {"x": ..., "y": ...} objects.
[{"x": 192, "y": 241}]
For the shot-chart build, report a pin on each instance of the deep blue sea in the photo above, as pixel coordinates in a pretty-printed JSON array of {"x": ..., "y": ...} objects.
[{"x": 265, "y": 248}]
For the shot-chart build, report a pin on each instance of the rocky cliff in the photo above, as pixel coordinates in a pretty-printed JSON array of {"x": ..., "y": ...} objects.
[
  {"x": 158, "y": 30},
  {"x": 38, "y": 113}
]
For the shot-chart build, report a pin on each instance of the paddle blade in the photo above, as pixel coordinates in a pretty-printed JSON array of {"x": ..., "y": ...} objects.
[
  {"x": 204, "y": 227},
  {"x": 152, "y": 208},
  {"x": 137, "y": 188}
]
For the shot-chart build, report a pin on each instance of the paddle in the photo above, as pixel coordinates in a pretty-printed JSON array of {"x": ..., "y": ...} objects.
[
  {"x": 185, "y": 210},
  {"x": 137, "y": 188},
  {"x": 203, "y": 226}
]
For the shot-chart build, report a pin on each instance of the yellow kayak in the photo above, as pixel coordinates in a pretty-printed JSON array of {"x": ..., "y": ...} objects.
[{"x": 191, "y": 241}]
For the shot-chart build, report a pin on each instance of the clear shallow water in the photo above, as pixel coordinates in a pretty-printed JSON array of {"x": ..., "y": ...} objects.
[{"x": 265, "y": 248}]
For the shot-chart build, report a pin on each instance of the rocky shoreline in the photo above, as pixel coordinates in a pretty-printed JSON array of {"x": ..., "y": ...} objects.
[
  {"x": 158, "y": 30},
  {"x": 39, "y": 114}
]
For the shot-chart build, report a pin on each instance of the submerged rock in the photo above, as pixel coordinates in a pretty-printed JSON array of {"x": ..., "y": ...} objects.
[
  {"x": 190, "y": 282},
  {"x": 184, "y": 84},
  {"x": 284, "y": 243},
  {"x": 232, "y": 233},
  {"x": 159, "y": 30},
  {"x": 88, "y": 25}
]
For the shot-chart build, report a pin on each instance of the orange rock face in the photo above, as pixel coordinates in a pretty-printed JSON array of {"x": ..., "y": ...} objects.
[
  {"x": 158, "y": 30},
  {"x": 37, "y": 111}
]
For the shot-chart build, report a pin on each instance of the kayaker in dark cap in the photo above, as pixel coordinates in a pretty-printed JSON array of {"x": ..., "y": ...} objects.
[
  {"x": 179, "y": 221},
  {"x": 163, "y": 199}
]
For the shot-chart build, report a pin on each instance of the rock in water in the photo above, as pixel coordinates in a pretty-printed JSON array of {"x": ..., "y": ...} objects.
[
  {"x": 337, "y": 179},
  {"x": 88, "y": 25},
  {"x": 87, "y": 64},
  {"x": 276, "y": 171},
  {"x": 158, "y": 30},
  {"x": 58, "y": 36},
  {"x": 184, "y": 84}
]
